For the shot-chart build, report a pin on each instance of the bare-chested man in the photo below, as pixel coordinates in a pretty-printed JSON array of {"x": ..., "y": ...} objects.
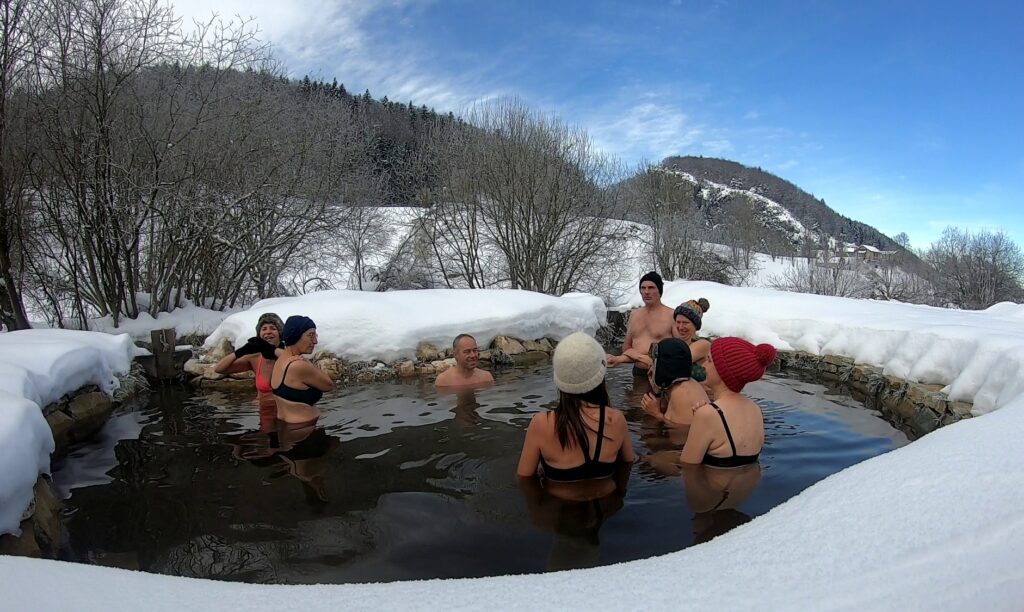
[
  {"x": 647, "y": 325},
  {"x": 465, "y": 373}
]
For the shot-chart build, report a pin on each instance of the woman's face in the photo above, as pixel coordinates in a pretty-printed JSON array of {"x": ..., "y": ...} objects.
[
  {"x": 307, "y": 342},
  {"x": 268, "y": 331},
  {"x": 685, "y": 327},
  {"x": 712, "y": 373}
]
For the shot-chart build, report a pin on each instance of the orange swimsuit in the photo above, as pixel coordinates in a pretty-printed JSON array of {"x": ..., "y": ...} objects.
[{"x": 262, "y": 384}]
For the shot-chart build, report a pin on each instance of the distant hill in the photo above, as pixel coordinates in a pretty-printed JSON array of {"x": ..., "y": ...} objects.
[{"x": 723, "y": 180}]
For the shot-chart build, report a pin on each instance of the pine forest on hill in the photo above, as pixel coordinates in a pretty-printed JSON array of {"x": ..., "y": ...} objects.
[{"x": 140, "y": 168}]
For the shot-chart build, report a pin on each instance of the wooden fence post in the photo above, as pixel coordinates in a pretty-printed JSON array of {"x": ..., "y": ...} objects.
[{"x": 163, "y": 352}]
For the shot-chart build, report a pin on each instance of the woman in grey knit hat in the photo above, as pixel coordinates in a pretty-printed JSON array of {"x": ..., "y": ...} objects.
[
  {"x": 582, "y": 438},
  {"x": 258, "y": 354}
]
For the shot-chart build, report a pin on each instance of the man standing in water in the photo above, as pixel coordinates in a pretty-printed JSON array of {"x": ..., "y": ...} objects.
[
  {"x": 647, "y": 326},
  {"x": 465, "y": 373}
]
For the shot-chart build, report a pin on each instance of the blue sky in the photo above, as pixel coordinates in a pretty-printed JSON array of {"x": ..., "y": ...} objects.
[{"x": 905, "y": 115}]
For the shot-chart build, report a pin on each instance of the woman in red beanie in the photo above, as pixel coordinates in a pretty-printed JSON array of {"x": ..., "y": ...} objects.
[{"x": 729, "y": 431}]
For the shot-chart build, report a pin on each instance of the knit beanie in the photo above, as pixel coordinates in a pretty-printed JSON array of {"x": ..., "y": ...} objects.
[
  {"x": 273, "y": 319},
  {"x": 294, "y": 327},
  {"x": 655, "y": 278},
  {"x": 673, "y": 362},
  {"x": 579, "y": 364},
  {"x": 692, "y": 310},
  {"x": 739, "y": 362}
]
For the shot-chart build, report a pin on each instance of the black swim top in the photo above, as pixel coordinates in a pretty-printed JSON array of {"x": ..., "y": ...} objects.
[
  {"x": 727, "y": 462},
  {"x": 308, "y": 396},
  {"x": 590, "y": 469}
]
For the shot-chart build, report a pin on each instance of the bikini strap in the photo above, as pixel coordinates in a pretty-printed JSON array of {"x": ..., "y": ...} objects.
[
  {"x": 728, "y": 433},
  {"x": 600, "y": 437},
  {"x": 285, "y": 373}
]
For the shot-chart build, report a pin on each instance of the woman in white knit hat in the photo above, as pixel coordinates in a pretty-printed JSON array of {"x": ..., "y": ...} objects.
[{"x": 582, "y": 438}]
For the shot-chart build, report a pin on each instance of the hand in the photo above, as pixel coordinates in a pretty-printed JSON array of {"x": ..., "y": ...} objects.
[
  {"x": 651, "y": 405},
  {"x": 268, "y": 350},
  {"x": 614, "y": 360},
  {"x": 250, "y": 348}
]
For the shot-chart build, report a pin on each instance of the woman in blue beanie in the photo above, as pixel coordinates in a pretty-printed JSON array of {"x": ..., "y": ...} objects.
[{"x": 298, "y": 384}]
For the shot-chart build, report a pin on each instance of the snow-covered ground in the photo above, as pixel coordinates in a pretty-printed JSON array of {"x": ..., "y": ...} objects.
[{"x": 936, "y": 524}]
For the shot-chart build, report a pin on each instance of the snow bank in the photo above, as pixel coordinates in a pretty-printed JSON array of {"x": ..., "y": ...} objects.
[
  {"x": 978, "y": 354},
  {"x": 38, "y": 367},
  {"x": 388, "y": 326},
  {"x": 189, "y": 319}
]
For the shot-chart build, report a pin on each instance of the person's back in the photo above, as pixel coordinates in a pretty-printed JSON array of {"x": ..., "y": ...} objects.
[
  {"x": 583, "y": 438},
  {"x": 615, "y": 434},
  {"x": 736, "y": 428},
  {"x": 729, "y": 432},
  {"x": 683, "y": 401}
]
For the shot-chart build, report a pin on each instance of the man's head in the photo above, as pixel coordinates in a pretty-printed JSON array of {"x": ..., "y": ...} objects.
[
  {"x": 465, "y": 351},
  {"x": 651, "y": 287}
]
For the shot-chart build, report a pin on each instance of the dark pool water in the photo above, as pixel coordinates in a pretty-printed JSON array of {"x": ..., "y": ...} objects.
[{"x": 398, "y": 482}]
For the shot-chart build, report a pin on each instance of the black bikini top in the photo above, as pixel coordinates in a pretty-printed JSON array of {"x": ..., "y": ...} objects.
[
  {"x": 591, "y": 468},
  {"x": 727, "y": 462},
  {"x": 308, "y": 396}
]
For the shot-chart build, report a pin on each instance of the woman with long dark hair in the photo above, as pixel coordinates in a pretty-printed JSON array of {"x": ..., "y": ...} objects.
[{"x": 583, "y": 438}]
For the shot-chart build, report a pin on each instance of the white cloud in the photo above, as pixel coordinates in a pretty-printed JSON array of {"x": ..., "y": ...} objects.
[
  {"x": 331, "y": 39},
  {"x": 642, "y": 130}
]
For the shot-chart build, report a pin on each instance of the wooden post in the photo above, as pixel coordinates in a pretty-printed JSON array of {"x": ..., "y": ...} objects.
[{"x": 163, "y": 352}]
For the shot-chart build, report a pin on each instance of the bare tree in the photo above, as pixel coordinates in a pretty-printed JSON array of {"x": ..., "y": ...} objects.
[
  {"x": 94, "y": 49},
  {"x": 16, "y": 152},
  {"x": 537, "y": 184},
  {"x": 976, "y": 270}
]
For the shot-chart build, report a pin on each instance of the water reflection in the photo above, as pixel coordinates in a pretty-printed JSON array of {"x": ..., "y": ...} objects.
[
  {"x": 300, "y": 448},
  {"x": 466, "y": 406},
  {"x": 574, "y": 513},
  {"x": 714, "y": 496}
]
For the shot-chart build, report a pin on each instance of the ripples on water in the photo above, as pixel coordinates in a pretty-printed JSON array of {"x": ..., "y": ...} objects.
[{"x": 398, "y": 482}]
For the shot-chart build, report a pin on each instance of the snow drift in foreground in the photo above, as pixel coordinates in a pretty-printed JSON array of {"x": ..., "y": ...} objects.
[
  {"x": 979, "y": 355},
  {"x": 38, "y": 367},
  {"x": 388, "y": 326}
]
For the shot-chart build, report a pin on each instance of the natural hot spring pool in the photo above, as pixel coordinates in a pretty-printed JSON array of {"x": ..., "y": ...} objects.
[{"x": 398, "y": 482}]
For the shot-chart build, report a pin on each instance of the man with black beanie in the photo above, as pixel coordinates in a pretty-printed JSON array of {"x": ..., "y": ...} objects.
[{"x": 647, "y": 326}]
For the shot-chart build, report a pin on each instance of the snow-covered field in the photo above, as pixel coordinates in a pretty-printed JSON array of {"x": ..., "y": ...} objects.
[{"x": 936, "y": 524}]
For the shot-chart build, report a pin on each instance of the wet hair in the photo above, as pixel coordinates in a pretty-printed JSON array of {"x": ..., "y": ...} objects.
[
  {"x": 455, "y": 342},
  {"x": 569, "y": 415}
]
